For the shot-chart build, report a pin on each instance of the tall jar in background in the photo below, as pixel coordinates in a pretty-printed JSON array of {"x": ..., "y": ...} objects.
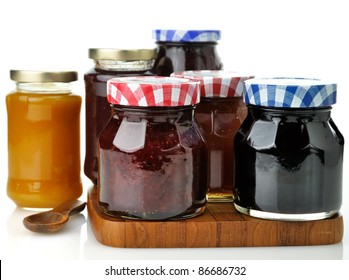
[
  {"x": 180, "y": 50},
  {"x": 152, "y": 157},
  {"x": 220, "y": 113},
  {"x": 43, "y": 139},
  {"x": 109, "y": 63},
  {"x": 288, "y": 151}
]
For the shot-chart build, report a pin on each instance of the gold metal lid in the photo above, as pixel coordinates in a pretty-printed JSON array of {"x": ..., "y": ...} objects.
[
  {"x": 37, "y": 76},
  {"x": 122, "y": 54}
]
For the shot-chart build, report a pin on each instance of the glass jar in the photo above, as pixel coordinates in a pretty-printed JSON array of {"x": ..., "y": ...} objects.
[
  {"x": 220, "y": 113},
  {"x": 152, "y": 157},
  {"x": 43, "y": 139},
  {"x": 109, "y": 63},
  {"x": 288, "y": 151},
  {"x": 180, "y": 50}
]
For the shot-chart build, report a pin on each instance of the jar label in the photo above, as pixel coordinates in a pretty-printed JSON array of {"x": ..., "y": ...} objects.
[{"x": 130, "y": 136}]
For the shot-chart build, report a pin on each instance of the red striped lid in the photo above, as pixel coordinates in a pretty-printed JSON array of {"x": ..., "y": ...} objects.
[
  {"x": 147, "y": 91},
  {"x": 216, "y": 83}
]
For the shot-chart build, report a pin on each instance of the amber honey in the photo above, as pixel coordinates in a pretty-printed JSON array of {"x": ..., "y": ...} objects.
[{"x": 43, "y": 145}]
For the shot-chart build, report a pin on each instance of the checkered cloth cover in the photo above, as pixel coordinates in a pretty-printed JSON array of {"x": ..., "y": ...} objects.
[
  {"x": 290, "y": 92},
  {"x": 148, "y": 91},
  {"x": 216, "y": 83},
  {"x": 172, "y": 35}
]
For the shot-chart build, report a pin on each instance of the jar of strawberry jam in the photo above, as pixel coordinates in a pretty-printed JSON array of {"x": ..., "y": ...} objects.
[
  {"x": 180, "y": 50},
  {"x": 220, "y": 113},
  {"x": 152, "y": 157},
  {"x": 288, "y": 151},
  {"x": 109, "y": 63},
  {"x": 43, "y": 139}
]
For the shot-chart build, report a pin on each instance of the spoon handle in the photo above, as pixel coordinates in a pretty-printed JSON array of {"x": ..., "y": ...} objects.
[{"x": 70, "y": 207}]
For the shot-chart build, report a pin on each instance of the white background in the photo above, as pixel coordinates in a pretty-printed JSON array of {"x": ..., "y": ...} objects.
[{"x": 265, "y": 38}]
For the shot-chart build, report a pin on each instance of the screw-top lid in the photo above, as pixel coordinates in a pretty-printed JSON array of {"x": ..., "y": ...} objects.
[
  {"x": 147, "y": 91},
  {"x": 216, "y": 83},
  {"x": 122, "y": 54},
  {"x": 38, "y": 76},
  {"x": 171, "y": 35},
  {"x": 290, "y": 92}
]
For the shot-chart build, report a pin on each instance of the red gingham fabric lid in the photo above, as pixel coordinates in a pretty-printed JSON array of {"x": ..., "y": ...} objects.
[
  {"x": 216, "y": 83},
  {"x": 147, "y": 91}
]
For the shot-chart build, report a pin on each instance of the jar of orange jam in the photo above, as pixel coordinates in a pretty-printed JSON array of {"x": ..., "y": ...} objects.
[{"x": 43, "y": 139}]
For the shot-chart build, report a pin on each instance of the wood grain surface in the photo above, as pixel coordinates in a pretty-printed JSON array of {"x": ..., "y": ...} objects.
[{"x": 220, "y": 226}]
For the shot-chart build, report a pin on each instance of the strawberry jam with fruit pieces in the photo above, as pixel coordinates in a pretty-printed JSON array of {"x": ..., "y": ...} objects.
[{"x": 153, "y": 163}]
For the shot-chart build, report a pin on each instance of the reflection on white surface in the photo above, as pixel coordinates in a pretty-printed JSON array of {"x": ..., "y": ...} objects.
[{"x": 22, "y": 243}]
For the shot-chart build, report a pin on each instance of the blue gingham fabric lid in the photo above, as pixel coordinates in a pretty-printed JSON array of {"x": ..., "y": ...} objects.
[
  {"x": 172, "y": 35},
  {"x": 289, "y": 92}
]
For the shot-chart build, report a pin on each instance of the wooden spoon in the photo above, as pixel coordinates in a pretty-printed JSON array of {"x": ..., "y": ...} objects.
[{"x": 55, "y": 219}]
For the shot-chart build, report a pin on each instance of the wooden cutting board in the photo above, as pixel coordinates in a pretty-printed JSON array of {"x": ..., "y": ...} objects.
[{"x": 220, "y": 226}]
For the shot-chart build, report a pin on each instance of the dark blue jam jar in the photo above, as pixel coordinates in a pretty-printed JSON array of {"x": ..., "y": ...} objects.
[
  {"x": 288, "y": 151},
  {"x": 180, "y": 50}
]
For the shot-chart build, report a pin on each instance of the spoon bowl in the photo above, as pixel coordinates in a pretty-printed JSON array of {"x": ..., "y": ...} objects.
[{"x": 55, "y": 219}]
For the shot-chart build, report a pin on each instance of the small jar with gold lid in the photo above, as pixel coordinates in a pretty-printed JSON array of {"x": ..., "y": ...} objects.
[
  {"x": 43, "y": 139},
  {"x": 109, "y": 63}
]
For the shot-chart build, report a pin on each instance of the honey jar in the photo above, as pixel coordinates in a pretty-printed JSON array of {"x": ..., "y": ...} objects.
[{"x": 43, "y": 139}]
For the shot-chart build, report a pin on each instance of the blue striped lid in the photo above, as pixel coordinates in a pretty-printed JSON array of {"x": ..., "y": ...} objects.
[
  {"x": 172, "y": 35},
  {"x": 289, "y": 92}
]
